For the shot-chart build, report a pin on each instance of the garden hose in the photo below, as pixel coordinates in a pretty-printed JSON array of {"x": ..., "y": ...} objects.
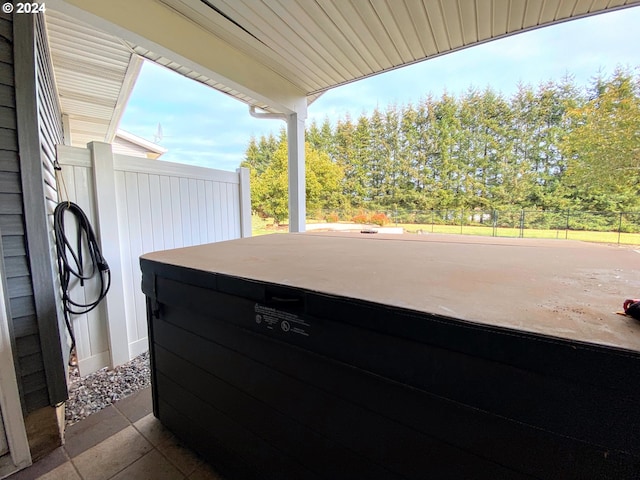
[{"x": 71, "y": 262}]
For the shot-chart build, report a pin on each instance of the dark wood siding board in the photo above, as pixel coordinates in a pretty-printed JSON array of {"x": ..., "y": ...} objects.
[
  {"x": 8, "y": 136},
  {"x": 22, "y": 306},
  {"x": 17, "y": 266},
  {"x": 34, "y": 381},
  {"x": 20, "y": 287},
  {"x": 6, "y": 29},
  {"x": 28, "y": 345},
  {"x": 7, "y": 96},
  {"x": 9, "y": 161},
  {"x": 10, "y": 182},
  {"x": 6, "y": 51},
  {"x": 37, "y": 228},
  {"x": 24, "y": 326},
  {"x": 36, "y": 399},
  {"x": 8, "y": 118},
  {"x": 10, "y": 204},
  {"x": 11, "y": 224},
  {"x": 6, "y": 74},
  {"x": 13, "y": 246},
  {"x": 31, "y": 364}
]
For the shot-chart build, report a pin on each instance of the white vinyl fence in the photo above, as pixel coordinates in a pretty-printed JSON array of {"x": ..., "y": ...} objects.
[{"x": 135, "y": 206}]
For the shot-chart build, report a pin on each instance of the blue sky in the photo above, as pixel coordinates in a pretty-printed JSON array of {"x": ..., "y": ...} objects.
[{"x": 204, "y": 127}]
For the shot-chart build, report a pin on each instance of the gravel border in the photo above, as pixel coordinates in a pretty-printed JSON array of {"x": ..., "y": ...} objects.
[{"x": 100, "y": 389}]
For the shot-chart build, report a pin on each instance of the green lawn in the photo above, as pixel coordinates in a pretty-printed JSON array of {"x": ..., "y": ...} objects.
[
  {"x": 586, "y": 236},
  {"x": 265, "y": 226}
]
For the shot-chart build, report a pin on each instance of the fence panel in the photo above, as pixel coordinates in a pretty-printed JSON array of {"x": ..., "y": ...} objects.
[
  {"x": 159, "y": 205},
  {"x": 92, "y": 346}
]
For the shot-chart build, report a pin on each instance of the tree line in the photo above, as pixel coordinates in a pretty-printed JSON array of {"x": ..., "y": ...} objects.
[{"x": 551, "y": 147}]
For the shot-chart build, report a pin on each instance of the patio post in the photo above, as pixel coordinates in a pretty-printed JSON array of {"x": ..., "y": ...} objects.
[
  {"x": 108, "y": 232},
  {"x": 245, "y": 202},
  {"x": 297, "y": 194}
]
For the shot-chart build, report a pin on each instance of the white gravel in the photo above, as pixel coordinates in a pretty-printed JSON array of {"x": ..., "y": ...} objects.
[{"x": 100, "y": 389}]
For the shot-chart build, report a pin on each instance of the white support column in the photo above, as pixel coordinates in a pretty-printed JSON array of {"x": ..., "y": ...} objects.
[
  {"x": 109, "y": 236},
  {"x": 245, "y": 202},
  {"x": 297, "y": 192}
]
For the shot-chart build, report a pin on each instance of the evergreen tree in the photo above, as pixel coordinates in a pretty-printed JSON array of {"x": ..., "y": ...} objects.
[{"x": 603, "y": 146}]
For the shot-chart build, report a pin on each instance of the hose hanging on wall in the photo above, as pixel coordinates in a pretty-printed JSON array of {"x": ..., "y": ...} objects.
[{"x": 71, "y": 262}]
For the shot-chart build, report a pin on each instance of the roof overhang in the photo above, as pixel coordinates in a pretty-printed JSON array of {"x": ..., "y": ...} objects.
[
  {"x": 280, "y": 55},
  {"x": 94, "y": 74}
]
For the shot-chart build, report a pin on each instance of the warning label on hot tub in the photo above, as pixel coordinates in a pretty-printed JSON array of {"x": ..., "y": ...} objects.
[{"x": 272, "y": 318}]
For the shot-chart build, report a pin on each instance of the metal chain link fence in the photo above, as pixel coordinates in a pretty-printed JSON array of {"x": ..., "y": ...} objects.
[{"x": 607, "y": 227}]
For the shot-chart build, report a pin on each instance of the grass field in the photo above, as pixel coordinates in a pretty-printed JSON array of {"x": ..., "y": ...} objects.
[
  {"x": 585, "y": 236},
  {"x": 265, "y": 226}
]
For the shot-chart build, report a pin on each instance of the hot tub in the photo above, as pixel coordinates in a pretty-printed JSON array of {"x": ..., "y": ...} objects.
[{"x": 346, "y": 356}]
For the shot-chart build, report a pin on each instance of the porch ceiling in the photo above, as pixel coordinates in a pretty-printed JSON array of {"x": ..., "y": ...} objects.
[
  {"x": 94, "y": 74},
  {"x": 268, "y": 52},
  {"x": 319, "y": 44}
]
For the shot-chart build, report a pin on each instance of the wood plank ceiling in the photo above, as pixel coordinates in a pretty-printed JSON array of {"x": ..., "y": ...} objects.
[{"x": 321, "y": 44}]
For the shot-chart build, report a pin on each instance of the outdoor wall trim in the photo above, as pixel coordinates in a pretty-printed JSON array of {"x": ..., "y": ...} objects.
[
  {"x": 130, "y": 78},
  {"x": 146, "y": 23},
  {"x": 66, "y": 129},
  {"x": 33, "y": 195},
  {"x": 245, "y": 202},
  {"x": 106, "y": 213}
]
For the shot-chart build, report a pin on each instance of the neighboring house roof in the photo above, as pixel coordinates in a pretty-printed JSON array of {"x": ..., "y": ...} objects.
[
  {"x": 127, "y": 143},
  {"x": 271, "y": 53}
]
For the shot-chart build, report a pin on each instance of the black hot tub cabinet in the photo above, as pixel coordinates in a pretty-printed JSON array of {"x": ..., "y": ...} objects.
[{"x": 377, "y": 357}]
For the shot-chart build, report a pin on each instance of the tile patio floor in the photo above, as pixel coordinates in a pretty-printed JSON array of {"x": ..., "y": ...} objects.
[{"x": 122, "y": 441}]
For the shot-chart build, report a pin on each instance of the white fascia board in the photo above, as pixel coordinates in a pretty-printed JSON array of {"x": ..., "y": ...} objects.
[
  {"x": 166, "y": 32},
  {"x": 130, "y": 78}
]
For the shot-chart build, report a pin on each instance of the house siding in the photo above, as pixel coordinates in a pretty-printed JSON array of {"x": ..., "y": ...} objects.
[
  {"x": 41, "y": 378},
  {"x": 51, "y": 134},
  {"x": 12, "y": 231}
]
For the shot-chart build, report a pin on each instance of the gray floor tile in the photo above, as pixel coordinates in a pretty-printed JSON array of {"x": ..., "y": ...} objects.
[
  {"x": 45, "y": 465},
  {"x": 66, "y": 471},
  {"x": 93, "y": 430},
  {"x": 151, "y": 428},
  {"x": 152, "y": 466},
  {"x": 112, "y": 455},
  {"x": 136, "y": 406}
]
